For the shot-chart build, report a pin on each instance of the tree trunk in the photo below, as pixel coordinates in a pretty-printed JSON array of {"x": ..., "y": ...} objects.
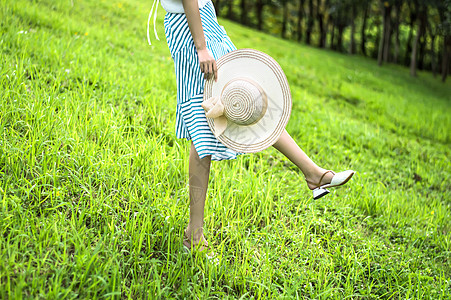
[
  {"x": 422, "y": 41},
  {"x": 433, "y": 58},
  {"x": 413, "y": 57},
  {"x": 230, "y": 14},
  {"x": 446, "y": 56},
  {"x": 285, "y": 19},
  {"x": 352, "y": 44},
  {"x": 320, "y": 18},
  {"x": 309, "y": 23},
  {"x": 300, "y": 17},
  {"x": 396, "y": 29},
  {"x": 326, "y": 22},
  {"x": 259, "y": 12},
  {"x": 382, "y": 38},
  {"x": 332, "y": 36},
  {"x": 413, "y": 18},
  {"x": 243, "y": 12},
  {"x": 217, "y": 7},
  {"x": 362, "y": 32},
  {"x": 421, "y": 54},
  {"x": 341, "y": 28},
  {"x": 387, "y": 33}
]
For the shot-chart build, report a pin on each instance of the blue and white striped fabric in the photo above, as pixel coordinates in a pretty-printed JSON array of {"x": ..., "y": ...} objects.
[{"x": 191, "y": 122}]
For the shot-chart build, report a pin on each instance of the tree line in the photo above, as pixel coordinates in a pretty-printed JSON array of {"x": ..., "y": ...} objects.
[{"x": 415, "y": 33}]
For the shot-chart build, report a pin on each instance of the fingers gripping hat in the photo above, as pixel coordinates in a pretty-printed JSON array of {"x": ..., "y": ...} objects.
[{"x": 249, "y": 106}]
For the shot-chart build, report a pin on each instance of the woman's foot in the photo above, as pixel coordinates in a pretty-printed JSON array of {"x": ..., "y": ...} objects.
[
  {"x": 193, "y": 237},
  {"x": 327, "y": 180},
  {"x": 321, "y": 177}
]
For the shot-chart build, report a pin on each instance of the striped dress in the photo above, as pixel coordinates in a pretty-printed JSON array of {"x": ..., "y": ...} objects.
[{"x": 191, "y": 122}]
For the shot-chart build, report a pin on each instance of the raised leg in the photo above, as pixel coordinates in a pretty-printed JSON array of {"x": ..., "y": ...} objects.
[
  {"x": 287, "y": 146},
  {"x": 199, "y": 172}
]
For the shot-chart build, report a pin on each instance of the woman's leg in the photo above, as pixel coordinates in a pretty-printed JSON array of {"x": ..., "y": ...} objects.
[
  {"x": 199, "y": 171},
  {"x": 287, "y": 146}
]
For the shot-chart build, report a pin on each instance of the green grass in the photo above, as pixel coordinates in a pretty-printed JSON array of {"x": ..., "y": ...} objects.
[{"x": 94, "y": 184}]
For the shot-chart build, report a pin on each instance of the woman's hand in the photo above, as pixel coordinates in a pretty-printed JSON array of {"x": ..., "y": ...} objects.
[
  {"x": 207, "y": 64},
  {"x": 206, "y": 59}
]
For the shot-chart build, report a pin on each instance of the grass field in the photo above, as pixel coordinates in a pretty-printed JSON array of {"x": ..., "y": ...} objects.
[{"x": 94, "y": 185}]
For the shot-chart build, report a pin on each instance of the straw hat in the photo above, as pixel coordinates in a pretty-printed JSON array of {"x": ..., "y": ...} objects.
[{"x": 249, "y": 106}]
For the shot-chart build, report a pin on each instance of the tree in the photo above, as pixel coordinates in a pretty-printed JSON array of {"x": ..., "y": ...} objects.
[
  {"x": 301, "y": 14},
  {"x": 396, "y": 23},
  {"x": 332, "y": 23},
  {"x": 422, "y": 19},
  {"x": 230, "y": 14},
  {"x": 412, "y": 21},
  {"x": 310, "y": 23},
  {"x": 320, "y": 17},
  {"x": 433, "y": 33},
  {"x": 284, "y": 18},
  {"x": 446, "y": 57},
  {"x": 366, "y": 6},
  {"x": 259, "y": 12},
  {"x": 352, "y": 42},
  {"x": 444, "y": 9},
  {"x": 243, "y": 12},
  {"x": 218, "y": 5},
  {"x": 338, "y": 19},
  {"x": 340, "y": 14},
  {"x": 384, "y": 42}
]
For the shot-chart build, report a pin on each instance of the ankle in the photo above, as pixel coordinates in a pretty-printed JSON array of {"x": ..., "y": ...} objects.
[{"x": 317, "y": 179}]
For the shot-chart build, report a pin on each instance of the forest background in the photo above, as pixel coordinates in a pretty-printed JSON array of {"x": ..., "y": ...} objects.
[{"x": 414, "y": 33}]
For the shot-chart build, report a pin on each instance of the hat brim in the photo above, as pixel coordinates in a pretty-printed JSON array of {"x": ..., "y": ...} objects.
[{"x": 264, "y": 70}]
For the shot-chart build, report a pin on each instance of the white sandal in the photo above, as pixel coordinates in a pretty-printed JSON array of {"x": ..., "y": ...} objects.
[{"x": 337, "y": 180}]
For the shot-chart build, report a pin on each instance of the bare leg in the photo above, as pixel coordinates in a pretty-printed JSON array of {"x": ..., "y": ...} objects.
[
  {"x": 287, "y": 146},
  {"x": 199, "y": 171}
]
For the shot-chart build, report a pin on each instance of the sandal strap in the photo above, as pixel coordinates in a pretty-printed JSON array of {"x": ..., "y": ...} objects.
[{"x": 321, "y": 179}]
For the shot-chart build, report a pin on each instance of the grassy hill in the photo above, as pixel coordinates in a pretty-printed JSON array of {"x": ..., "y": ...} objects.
[{"x": 94, "y": 184}]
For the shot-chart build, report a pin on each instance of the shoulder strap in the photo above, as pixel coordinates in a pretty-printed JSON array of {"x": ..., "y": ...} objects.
[{"x": 154, "y": 20}]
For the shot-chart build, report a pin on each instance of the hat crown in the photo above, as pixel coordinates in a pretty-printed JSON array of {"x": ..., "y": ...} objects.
[
  {"x": 268, "y": 121},
  {"x": 244, "y": 101}
]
